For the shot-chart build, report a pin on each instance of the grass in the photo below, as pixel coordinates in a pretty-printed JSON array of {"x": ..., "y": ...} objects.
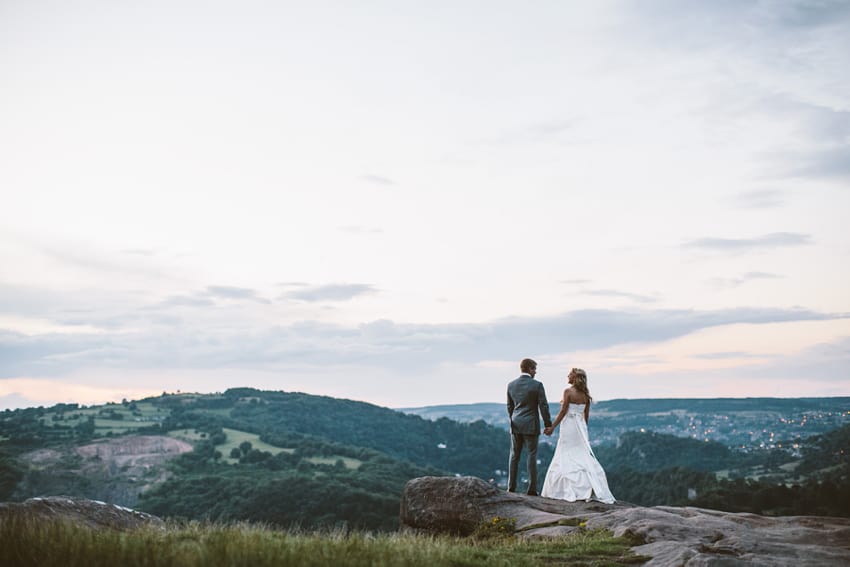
[
  {"x": 26, "y": 542},
  {"x": 234, "y": 439},
  {"x": 186, "y": 435},
  {"x": 349, "y": 462},
  {"x": 104, "y": 425}
]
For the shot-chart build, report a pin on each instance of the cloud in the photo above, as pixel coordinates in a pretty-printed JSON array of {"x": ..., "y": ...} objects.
[
  {"x": 818, "y": 123},
  {"x": 541, "y": 131},
  {"x": 16, "y": 400},
  {"x": 46, "y": 392},
  {"x": 575, "y": 281},
  {"x": 360, "y": 230},
  {"x": 126, "y": 311},
  {"x": 185, "y": 301},
  {"x": 379, "y": 344},
  {"x": 821, "y": 134},
  {"x": 378, "y": 180},
  {"x": 726, "y": 355},
  {"x": 623, "y": 294},
  {"x": 65, "y": 306},
  {"x": 763, "y": 199},
  {"x": 828, "y": 163},
  {"x": 331, "y": 292},
  {"x": 85, "y": 257},
  {"x": 747, "y": 277},
  {"x": 139, "y": 251},
  {"x": 702, "y": 24},
  {"x": 238, "y": 293},
  {"x": 805, "y": 14},
  {"x": 545, "y": 131},
  {"x": 766, "y": 242}
]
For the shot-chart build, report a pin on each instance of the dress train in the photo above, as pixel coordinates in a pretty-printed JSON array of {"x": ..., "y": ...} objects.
[{"x": 575, "y": 474}]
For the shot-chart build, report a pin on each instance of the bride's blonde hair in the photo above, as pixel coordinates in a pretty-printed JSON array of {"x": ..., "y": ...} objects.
[{"x": 580, "y": 382}]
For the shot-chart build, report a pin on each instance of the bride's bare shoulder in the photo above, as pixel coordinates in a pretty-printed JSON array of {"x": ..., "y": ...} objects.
[{"x": 575, "y": 396}]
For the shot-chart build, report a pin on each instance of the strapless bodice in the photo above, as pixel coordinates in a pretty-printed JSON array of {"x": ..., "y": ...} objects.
[{"x": 576, "y": 409}]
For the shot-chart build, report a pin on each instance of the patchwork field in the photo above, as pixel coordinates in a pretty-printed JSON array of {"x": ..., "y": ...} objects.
[
  {"x": 116, "y": 419},
  {"x": 235, "y": 438}
]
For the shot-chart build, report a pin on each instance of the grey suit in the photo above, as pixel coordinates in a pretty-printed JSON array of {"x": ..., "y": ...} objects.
[{"x": 526, "y": 403}]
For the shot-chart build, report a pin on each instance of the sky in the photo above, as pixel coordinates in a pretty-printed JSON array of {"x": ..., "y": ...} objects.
[{"x": 397, "y": 201}]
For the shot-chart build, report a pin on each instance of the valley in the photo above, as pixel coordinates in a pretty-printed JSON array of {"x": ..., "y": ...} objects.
[{"x": 295, "y": 459}]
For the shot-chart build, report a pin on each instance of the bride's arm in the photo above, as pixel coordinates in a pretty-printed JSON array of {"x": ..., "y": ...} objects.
[
  {"x": 565, "y": 403},
  {"x": 586, "y": 411}
]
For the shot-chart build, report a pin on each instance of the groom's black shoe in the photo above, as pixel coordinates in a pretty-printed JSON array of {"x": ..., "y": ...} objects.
[{"x": 530, "y": 493}]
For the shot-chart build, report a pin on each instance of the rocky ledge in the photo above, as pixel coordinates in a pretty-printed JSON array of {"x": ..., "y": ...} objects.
[
  {"x": 91, "y": 513},
  {"x": 669, "y": 535}
]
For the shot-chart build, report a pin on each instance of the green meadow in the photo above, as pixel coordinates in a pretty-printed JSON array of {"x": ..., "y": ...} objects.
[
  {"x": 46, "y": 544},
  {"x": 236, "y": 438}
]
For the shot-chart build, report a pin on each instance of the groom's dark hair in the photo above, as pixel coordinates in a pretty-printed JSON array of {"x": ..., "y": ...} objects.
[{"x": 527, "y": 364}]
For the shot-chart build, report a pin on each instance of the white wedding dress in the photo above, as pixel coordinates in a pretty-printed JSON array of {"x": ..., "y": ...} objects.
[{"x": 575, "y": 474}]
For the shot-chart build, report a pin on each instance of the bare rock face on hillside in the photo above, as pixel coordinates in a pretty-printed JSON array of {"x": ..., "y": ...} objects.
[
  {"x": 139, "y": 452},
  {"x": 670, "y": 535},
  {"x": 115, "y": 470},
  {"x": 90, "y": 513}
]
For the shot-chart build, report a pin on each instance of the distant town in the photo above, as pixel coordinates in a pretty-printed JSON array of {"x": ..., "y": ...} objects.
[{"x": 746, "y": 424}]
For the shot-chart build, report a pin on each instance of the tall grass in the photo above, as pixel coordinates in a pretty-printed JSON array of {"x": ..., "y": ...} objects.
[{"x": 27, "y": 542}]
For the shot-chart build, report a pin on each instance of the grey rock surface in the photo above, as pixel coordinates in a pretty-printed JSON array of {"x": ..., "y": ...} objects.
[
  {"x": 114, "y": 470},
  {"x": 91, "y": 513},
  {"x": 669, "y": 535}
]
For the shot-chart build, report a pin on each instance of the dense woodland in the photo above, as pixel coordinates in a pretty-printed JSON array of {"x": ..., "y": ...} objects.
[
  {"x": 654, "y": 469},
  {"x": 321, "y": 461}
]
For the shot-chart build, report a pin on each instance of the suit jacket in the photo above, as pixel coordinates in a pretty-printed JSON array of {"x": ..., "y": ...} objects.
[{"x": 526, "y": 403}]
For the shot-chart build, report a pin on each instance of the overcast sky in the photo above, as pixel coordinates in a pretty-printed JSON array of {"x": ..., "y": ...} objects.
[{"x": 396, "y": 201}]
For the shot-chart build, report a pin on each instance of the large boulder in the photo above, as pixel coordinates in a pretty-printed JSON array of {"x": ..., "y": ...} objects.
[
  {"x": 91, "y": 513},
  {"x": 459, "y": 505},
  {"x": 670, "y": 535}
]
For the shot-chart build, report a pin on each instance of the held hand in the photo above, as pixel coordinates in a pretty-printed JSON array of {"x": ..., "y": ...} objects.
[{"x": 548, "y": 430}]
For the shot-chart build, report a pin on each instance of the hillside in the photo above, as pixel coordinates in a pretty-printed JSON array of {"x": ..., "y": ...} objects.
[
  {"x": 751, "y": 424},
  {"x": 296, "y": 459},
  {"x": 762, "y": 455},
  {"x": 277, "y": 457}
]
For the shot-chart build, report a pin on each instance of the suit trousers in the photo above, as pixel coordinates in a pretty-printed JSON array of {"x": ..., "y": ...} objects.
[{"x": 518, "y": 440}]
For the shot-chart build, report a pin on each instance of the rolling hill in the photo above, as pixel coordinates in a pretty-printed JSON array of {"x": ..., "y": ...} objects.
[{"x": 288, "y": 458}]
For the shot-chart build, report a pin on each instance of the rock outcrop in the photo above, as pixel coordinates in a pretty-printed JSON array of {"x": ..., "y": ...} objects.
[
  {"x": 670, "y": 535},
  {"x": 91, "y": 513}
]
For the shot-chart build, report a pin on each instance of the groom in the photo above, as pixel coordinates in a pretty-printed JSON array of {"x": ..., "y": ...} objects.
[{"x": 526, "y": 403}]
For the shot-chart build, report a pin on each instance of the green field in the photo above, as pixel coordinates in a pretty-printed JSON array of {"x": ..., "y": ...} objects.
[
  {"x": 349, "y": 462},
  {"x": 70, "y": 417},
  {"x": 236, "y": 438},
  {"x": 144, "y": 413},
  {"x": 116, "y": 424},
  {"x": 190, "y": 435}
]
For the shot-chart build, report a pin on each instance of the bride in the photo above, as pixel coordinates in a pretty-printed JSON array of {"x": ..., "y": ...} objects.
[{"x": 575, "y": 474}]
